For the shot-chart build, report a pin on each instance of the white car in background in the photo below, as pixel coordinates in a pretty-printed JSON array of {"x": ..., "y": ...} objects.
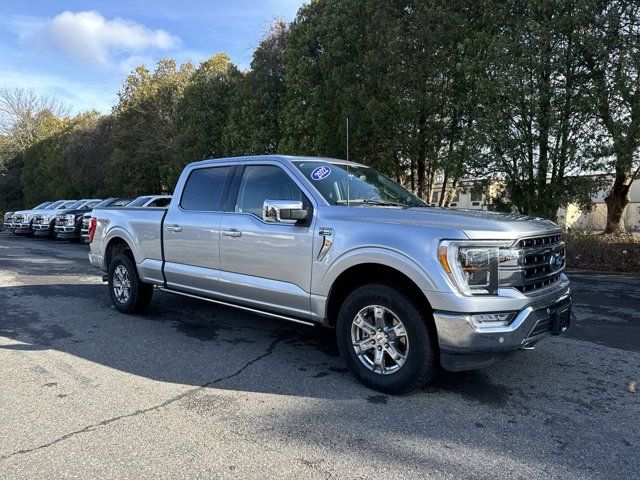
[
  {"x": 150, "y": 201},
  {"x": 21, "y": 220}
]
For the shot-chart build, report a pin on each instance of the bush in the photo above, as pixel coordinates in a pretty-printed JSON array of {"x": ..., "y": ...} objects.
[{"x": 604, "y": 252}]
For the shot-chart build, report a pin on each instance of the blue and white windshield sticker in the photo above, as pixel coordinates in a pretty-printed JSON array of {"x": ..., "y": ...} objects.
[{"x": 321, "y": 172}]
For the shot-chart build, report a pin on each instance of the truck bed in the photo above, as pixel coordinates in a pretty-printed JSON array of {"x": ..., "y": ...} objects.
[{"x": 141, "y": 227}]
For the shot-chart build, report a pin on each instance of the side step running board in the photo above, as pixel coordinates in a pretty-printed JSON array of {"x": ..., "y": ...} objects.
[{"x": 241, "y": 307}]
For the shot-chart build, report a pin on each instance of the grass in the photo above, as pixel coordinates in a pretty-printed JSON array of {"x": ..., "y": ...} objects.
[{"x": 603, "y": 252}]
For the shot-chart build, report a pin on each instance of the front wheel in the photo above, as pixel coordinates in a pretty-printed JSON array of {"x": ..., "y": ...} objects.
[
  {"x": 386, "y": 338},
  {"x": 129, "y": 294}
]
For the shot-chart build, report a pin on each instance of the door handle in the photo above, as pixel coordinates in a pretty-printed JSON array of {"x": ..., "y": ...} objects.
[
  {"x": 173, "y": 228},
  {"x": 232, "y": 233}
]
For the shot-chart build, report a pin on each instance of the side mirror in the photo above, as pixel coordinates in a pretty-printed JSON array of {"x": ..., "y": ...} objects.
[{"x": 283, "y": 211}]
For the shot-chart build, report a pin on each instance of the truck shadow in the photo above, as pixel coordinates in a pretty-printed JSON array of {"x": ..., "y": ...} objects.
[
  {"x": 190, "y": 342},
  {"x": 214, "y": 348}
]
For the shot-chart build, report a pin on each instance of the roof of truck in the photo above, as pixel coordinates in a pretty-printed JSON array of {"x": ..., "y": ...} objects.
[{"x": 285, "y": 158}]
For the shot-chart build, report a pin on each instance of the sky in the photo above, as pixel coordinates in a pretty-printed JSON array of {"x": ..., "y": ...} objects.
[{"x": 80, "y": 51}]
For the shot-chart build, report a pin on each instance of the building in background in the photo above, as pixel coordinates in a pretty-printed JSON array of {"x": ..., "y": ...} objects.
[{"x": 479, "y": 195}]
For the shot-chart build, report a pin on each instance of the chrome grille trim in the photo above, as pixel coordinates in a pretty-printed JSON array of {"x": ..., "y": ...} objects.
[{"x": 540, "y": 263}]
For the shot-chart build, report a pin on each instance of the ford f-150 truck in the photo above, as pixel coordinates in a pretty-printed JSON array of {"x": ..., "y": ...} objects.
[
  {"x": 21, "y": 220},
  {"x": 69, "y": 221},
  {"x": 409, "y": 288},
  {"x": 44, "y": 221}
]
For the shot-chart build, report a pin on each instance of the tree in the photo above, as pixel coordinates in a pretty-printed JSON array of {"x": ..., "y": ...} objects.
[
  {"x": 143, "y": 134},
  {"x": 536, "y": 120},
  {"x": 254, "y": 123},
  {"x": 611, "y": 51},
  {"x": 87, "y": 152},
  {"x": 202, "y": 111},
  {"x": 19, "y": 113}
]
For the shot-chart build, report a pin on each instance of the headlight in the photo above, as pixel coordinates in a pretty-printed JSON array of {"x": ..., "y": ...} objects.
[
  {"x": 71, "y": 218},
  {"x": 45, "y": 218},
  {"x": 26, "y": 217},
  {"x": 471, "y": 266}
]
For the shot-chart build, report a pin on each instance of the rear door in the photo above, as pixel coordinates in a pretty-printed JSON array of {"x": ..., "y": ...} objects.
[
  {"x": 191, "y": 231},
  {"x": 266, "y": 265}
]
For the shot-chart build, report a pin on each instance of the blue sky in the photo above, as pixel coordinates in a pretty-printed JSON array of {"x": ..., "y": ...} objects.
[{"x": 81, "y": 50}]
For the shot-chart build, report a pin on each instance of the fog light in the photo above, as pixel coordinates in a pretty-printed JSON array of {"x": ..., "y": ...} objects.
[{"x": 483, "y": 320}]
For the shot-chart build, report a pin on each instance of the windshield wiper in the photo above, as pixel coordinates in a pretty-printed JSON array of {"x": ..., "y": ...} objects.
[{"x": 377, "y": 201}]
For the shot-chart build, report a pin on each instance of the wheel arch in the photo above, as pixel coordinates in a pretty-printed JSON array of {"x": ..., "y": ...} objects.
[
  {"x": 116, "y": 245},
  {"x": 370, "y": 272}
]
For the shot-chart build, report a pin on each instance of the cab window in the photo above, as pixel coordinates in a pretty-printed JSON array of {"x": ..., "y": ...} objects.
[{"x": 203, "y": 189}]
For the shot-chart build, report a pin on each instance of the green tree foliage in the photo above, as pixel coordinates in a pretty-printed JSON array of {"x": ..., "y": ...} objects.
[
  {"x": 254, "y": 123},
  {"x": 536, "y": 121},
  {"x": 536, "y": 93},
  {"x": 143, "y": 134},
  {"x": 202, "y": 112},
  {"x": 87, "y": 153}
]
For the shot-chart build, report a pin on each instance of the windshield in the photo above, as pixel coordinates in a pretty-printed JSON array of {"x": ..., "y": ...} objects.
[
  {"x": 53, "y": 205},
  {"x": 91, "y": 204},
  {"x": 103, "y": 203},
  {"x": 41, "y": 206},
  {"x": 361, "y": 185},
  {"x": 75, "y": 204},
  {"x": 138, "y": 202}
]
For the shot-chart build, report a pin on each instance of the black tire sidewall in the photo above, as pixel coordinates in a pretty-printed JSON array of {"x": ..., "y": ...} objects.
[{"x": 420, "y": 364}]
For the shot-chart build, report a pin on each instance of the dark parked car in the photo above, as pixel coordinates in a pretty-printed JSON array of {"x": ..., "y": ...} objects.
[
  {"x": 44, "y": 220},
  {"x": 69, "y": 221},
  {"x": 106, "y": 203}
]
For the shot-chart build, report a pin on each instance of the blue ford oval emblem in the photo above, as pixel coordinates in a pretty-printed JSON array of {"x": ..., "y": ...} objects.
[
  {"x": 321, "y": 172},
  {"x": 555, "y": 261}
]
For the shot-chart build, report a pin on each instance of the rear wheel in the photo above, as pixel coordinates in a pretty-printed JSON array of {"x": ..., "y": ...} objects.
[
  {"x": 386, "y": 339},
  {"x": 128, "y": 293}
]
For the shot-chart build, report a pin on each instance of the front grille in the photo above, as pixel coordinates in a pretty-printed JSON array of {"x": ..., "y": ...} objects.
[
  {"x": 38, "y": 219},
  {"x": 61, "y": 221},
  {"x": 539, "y": 241},
  {"x": 540, "y": 262}
]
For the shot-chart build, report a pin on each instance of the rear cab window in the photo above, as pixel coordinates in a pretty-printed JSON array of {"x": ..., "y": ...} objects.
[{"x": 203, "y": 191}]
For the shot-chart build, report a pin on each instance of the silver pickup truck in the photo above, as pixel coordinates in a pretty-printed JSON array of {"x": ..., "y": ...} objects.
[{"x": 408, "y": 288}]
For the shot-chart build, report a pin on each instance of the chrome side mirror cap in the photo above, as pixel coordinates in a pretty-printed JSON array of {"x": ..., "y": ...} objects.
[{"x": 283, "y": 211}]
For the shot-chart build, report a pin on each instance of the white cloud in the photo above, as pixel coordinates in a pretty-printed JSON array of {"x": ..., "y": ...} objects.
[{"x": 91, "y": 38}]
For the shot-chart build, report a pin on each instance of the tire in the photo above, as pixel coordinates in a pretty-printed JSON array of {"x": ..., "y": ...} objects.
[
  {"x": 137, "y": 296},
  {"x": 417, "y": 346}
]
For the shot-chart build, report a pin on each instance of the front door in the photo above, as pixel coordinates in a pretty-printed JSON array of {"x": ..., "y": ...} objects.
[{"x": 266, "y": 265}]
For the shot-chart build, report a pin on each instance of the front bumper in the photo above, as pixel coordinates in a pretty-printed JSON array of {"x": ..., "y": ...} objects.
[
  {"x": 465, "y": 346},
  {"x": 21, "y": 228},
  {"x": 66, "y": 231},
  {"x": 42, "y": 228}
]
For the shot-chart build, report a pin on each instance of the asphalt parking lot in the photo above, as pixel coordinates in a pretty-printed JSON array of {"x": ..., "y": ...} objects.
[{"x": 193, "y": 390}]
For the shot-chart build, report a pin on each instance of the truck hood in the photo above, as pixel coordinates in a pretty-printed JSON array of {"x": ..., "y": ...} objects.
[
  {"x": 475, "y": 224},
  {"x": 22, "y": 212},
  {"x": 75, "y": 211},
  {"x": 42, "y": 211}
]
